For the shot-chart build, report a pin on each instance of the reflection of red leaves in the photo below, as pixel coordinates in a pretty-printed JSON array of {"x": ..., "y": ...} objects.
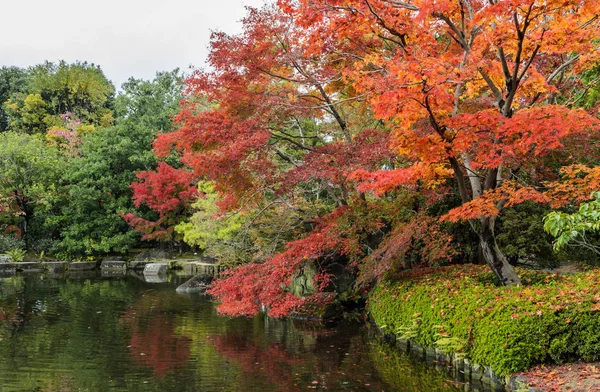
[
  {"x": 273, "y": 362},
  {"x": 153, "y": 341}
]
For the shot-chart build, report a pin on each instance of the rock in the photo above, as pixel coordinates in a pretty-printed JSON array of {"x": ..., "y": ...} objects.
[
  {"x": 156, "y": 278},
  {"x": 81, "y": 274},
  {"x": 5, "y": 258},
  {"x": 156, "y": 269},
  {"x": 198, "y": 284},
  {"x": 55, "y": 266},
  {"x": 198, "y": 268},
  {"x": 138, "y": 265},
  {"x": 8, "y": 267},
  {"x": 82, "y": 265},
  {"x": 113, "y": 272},
  {"x": 476, "y": 372},
  {"x": 495, "y": 380},
  {"x": 403, "y": 345},
  {"x": 113, "y": 265},
  {"x": 28, "y": 266}
]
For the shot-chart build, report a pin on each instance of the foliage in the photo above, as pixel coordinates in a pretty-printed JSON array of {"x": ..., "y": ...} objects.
[
  {"x": 551, "y": 318},
  {"x": 522, "y": 238},
  {"x": 456, "y": 92},
  {"x": 576, "y": 229},
  {"x": 29, "y": 170},
  {"x": 16, "y": 255},
  {"x": 10, "y": 242},
  {"x": 169, "y": 192},
  {"x": 99, "y": 178},
  {"x": 80, "y": 89},
  {"x": 12, "y": 80}
]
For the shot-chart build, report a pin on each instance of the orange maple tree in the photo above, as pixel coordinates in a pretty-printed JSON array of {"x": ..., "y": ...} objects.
[{"x": 472, "y": 89}]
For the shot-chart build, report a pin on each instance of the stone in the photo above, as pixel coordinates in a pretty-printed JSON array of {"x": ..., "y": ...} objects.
[
  {"x": 156, "y": 269},
  {"x": 430, "y": 355},
  {"x": 138, "y": 265},
  {"x": 113, "y": 265},
  {"x": 82, "y": 265},
  {"x": 403, "y": 345},
  {"x": 5, "y": 258},
  {"x": 197, "y": 284},
  {"x": 417, "y": 351},
  {"x": 162, "y": 278},
  {"x": 82, "y": 274},
  {"x": 28, "y": 266},
  {"x": 55, "y": 266},
  {"x": 516, "y": 383},
  {"x": 495, "y": 380},
  {"x": 113, "y": 272},
  {"x": 476, "y": 372},
  {"x": 8, "y": 267}
]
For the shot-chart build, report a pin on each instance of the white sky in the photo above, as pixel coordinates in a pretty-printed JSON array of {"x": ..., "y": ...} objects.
[{"x": 125, "y": 37}]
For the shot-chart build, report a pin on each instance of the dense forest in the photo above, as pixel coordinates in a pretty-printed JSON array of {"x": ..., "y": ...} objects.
[{"x": 327, "y": 140}]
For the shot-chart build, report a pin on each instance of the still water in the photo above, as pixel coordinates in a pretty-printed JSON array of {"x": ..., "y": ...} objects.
[{"x": 90, "y": 333}]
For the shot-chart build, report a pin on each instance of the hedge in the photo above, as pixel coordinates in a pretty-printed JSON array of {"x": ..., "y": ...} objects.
[{"x": 460, "y": 309}]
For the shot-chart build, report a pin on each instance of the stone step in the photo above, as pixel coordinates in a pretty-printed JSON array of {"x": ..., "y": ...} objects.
[
  {"x": 154, "y": 269},
  {"x": 8, "y": 267},
  {"x": 55, "y": 266},
  {"x": 113, "y": 265},
  {"x": 82, "y": 265}
]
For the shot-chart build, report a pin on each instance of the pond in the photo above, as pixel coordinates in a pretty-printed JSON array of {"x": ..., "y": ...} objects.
[{"x": 88, "y": 333}]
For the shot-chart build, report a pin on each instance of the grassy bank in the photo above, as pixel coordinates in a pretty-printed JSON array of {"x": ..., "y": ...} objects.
[{"x": 550, "y": 319}]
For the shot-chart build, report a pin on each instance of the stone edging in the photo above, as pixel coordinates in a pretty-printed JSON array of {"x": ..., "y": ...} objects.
[{"x": 459, "y": 369}]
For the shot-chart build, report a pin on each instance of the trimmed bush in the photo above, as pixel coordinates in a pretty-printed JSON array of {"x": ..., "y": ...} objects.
[{"x": 551, "y": 318}]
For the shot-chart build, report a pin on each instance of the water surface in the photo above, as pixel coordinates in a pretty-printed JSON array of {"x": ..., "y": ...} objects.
[{"x": 90, "y": 333}]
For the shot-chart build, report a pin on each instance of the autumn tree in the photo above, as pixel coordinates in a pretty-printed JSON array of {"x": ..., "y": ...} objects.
[
  {"x": 472, "y": 90},
  {"x": 275, "y": 131}
]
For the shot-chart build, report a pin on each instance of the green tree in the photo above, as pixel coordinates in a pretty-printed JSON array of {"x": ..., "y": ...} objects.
[
  {"x": 29, "y": 169},
  {"x": 99, "y": 180},
  {"x": 579, "y": 229},
  {"x": 51, "y": 90},
  {"x": 12, "y": 80}
]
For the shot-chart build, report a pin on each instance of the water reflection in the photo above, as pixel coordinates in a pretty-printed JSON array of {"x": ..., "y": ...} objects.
[{"x": 123, "y": 334}]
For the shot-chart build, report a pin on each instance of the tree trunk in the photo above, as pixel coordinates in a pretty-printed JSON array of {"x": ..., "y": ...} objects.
[{"x": 493, "y": 256}]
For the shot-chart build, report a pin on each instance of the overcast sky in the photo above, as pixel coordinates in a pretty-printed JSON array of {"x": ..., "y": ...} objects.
[{"x": 125, "y": 37}]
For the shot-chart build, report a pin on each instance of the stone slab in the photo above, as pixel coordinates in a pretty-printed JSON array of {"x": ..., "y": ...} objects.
[
  {"x": 82, "y": 274},
  {"x": 113, "y": 265},
  {"x": 28, "y": 266},
  {"x": 162, "y": 278},
  {"x": 156, "y": 269},
  {"x": 55, "y": 266},
  {"x": 113, "y": 273},
  {"x": 5, "y": 258},
  {"x": 139, "y": 265},
  {"x": 82, "y": 266},
  {"x": 8, "y": 267}
]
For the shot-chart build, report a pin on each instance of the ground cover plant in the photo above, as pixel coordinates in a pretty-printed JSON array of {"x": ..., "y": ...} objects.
[{"x": 550, "y": 318}]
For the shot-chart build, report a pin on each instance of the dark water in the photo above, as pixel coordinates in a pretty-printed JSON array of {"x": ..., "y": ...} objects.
[{"x": 108, "y": 334}]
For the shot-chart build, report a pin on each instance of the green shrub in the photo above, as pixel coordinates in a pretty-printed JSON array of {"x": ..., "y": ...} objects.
[
  {"x": 17, "y": 255},
  {"x": 9, "y": 242},
  {"x": 551, "y": 318}
]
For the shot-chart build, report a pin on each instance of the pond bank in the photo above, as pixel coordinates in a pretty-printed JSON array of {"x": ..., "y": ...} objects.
[{"x": 457, "y": 315}]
